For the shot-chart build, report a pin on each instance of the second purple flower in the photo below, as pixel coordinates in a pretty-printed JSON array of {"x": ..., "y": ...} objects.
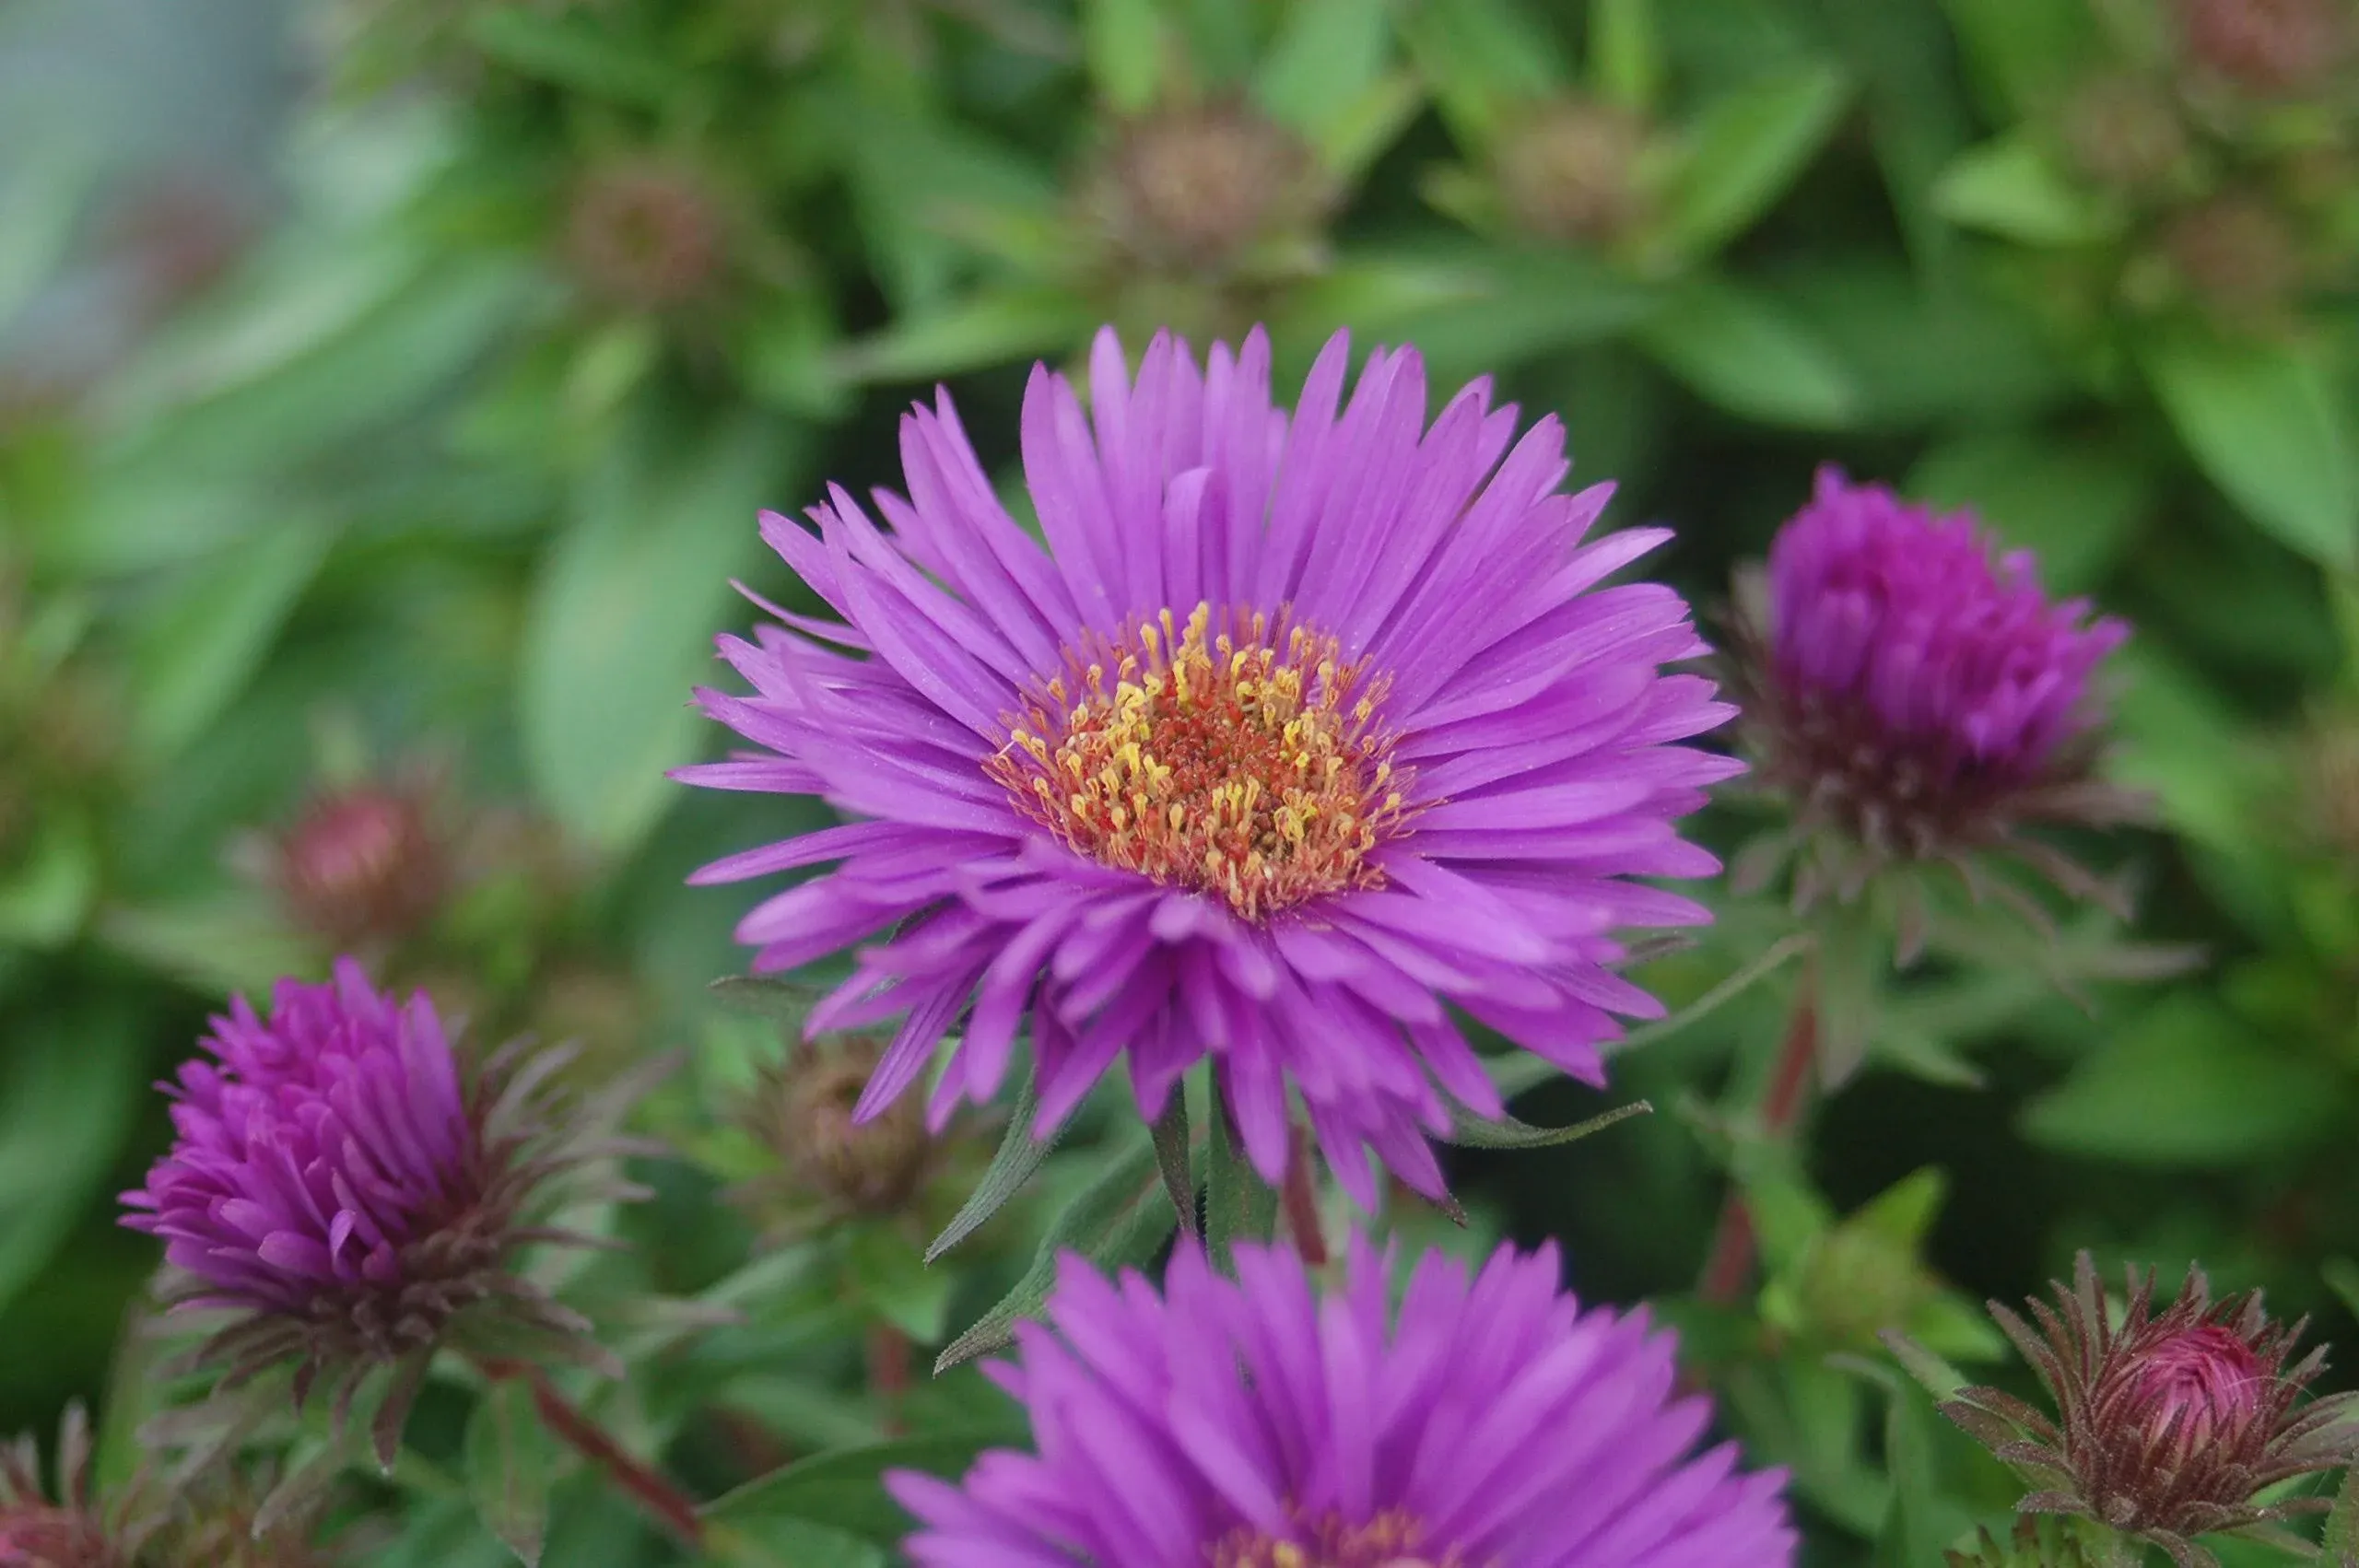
[{"x": 1300, "y": 728}]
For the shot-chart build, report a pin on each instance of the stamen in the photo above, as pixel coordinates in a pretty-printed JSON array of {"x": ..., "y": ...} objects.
[
  {"x": 1247, "y": 763},
  {"x": 1394, "y": 1539}
]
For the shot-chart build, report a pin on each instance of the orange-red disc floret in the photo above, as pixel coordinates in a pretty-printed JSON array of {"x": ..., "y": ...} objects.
[{"x": 1247, "y": 762}]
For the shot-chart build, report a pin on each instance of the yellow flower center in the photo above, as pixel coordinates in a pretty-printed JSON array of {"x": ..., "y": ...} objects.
[
  {"x": 1246, "y": 763},
  {"x": 1392, "y": 1539}
]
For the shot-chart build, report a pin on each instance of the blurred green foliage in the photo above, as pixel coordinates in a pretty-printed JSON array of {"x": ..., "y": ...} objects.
[{"x": 447, "y": 474}]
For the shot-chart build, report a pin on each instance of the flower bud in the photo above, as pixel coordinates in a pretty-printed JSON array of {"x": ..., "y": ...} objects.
[
  {"x": 1569, "y": 173},
  {"x": 2168, "y": 1426},
  {"x": 2125, "y": 132},
  {"x": 362, "y": 867},
  {"x": 357, "y": 1199},
  {"x": 2267, "y": 46},
  {"x": 1192, "y": 190},
  {"x": 2238, "y": 255},
  {"x": 646, "y": 234},
  {"x": 1916, "y": 697},
  {"x": 77, "y": 1528},
  {"x": 802, "y": 1111}
]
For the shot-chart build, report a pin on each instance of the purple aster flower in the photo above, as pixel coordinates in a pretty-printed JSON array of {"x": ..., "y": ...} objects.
[
  {"x": 1917, "y": 697},
  {"x": 1252, "y": 1423},
  {"x": 340, "y": 1185},
  {"x": 1302, "y": 726}
]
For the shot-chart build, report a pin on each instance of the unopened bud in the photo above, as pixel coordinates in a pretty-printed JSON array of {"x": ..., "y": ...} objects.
[
  {"x": 2195, "y": 1388},
  {"x": 1192, "y": 188},
  {"x": 362, "y": 866},
  {"x": 803, "y": 1112},
  {"x": 1856, "y": 1282},
  {"x": 2125, "y": 132},
  {"x": 646, "y": 234},
  {"x": 1571, "y": 173},
  {"x": 2268, "y": 46},
  {"x": 2238, "y": 256}
]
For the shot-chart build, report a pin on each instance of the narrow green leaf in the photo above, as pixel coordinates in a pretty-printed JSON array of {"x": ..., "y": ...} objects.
[
  {"x": 2264, "y": 422},
  {"x": 194, "y": 650},
  {"x": 1743, "y": 152},
  {"x": 1019, "y": 1155},
  {"x": 619, "y": 627},
  {"x": 1121, "y": 1218},
  {"x": 2076, "y": 500},
  {"x": 2026, "y": 51},
  {"x": 2342, "y": 1278},
  {"x": 1471, "y": 1131},
  {"x": 2186, "y": 1083},
  {"x": 71, "y": 1083},
  {"x": 217, "y": 948},
  {"x": 1362, "y": 129},
  {"x": 844, "y": 1491},
  {"x": 1485, "y": 58},
  {"x": 510, "y": 1460},
  {"x": 1744, "y": 349},
  {"x": 2340, "y": 1544},
  {"x": 1626, "y": 63},
  {"x": 894, "y": 1283},
  {"x": 572, "y": 49},
  {"x": 1327, "y": 55},
  {"x": 1936, "y": 1376},
  {"x": 39, "y": 208},
  {"x": 1238, "y": 1205},
  {"x": 1172, "y": 1156},
  {"x": 1123, "y": 43},
  {"x": 1516, "y": 1073},
  {"x": 766, "y": 996},
  {"x": 981, "y": 331},
  {"x": 45, "y": 895},
  {"x": 1918, "y": 1526},
  {"x": 2011, "y": 187}
]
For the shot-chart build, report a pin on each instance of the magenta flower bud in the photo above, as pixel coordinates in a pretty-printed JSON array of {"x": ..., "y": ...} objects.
[
  {"x": 356, "y": 1199},
  {"x": 1916, "y": 697},
  {"x": 2168, "y": 1426},
  {"x": 74, "y": 1527},
  {"x": 1260, "y": 1422}
]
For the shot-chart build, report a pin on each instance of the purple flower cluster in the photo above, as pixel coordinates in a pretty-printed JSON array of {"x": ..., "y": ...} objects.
[
  {"x": 1252, "y": 1423},
  {"x": 1301, "y": 727},
  {"x": 1906, "y": 622}
]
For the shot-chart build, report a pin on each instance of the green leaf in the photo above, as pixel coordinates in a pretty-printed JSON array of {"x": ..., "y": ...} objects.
[
  {"x": 217, "y": 948},
  {"x": 194, "y": 649},
  {"x": 844, "y": 1491},
  {"x": 40, "y": 205},
  {"x": 1626, "y": 63},
  {"x": 2077, "y": 502},
  {"x": 1485, "y": 58},
  {"x": 1919, "y": 1523},
  {"x": 571, "y": 49},
  {"x": 2010, "y": 187},
  {"x": 894, "y": 1281},
  {"x": 1471, "y": 1131},
  {"x": 1515, "y": 1074},
  {"x": 790, "y": 1543},
  {"x": 2340, "y": 1542},
  {"x": 1327, "y": 55},
  {"x": 1019, "y": 1156},
  {"x": 1358, "y": 133},
  {"x": 980, "y": 331},
  {"x": 766, "y": 996},
  {"x": 2262, "y": 421},
  {"x": 1743, "y": 153},
  {"x": 1238, "y": 1205},
  {"x": 510, "y": 1460},
  {"x": 45, "y": 895},
  {"x": 1123, "y": 44},
  {"x": 621, "y": 618},
  {"x": 1744, "y": 351},
  {"x": 2187, "y": 1085},
  {"x": 1120, "y": 1218},
  {"x": 2341, "y": 1276},
  {"x": 2026, "y": 50},
  {"x": 68, "y": 1087}
]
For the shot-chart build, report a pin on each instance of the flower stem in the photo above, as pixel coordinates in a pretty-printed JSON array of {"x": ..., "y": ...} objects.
[
  {"x": 888, "y": 1373},
  {"x": 1730, "y": 1266},
  {"x": 654, "y": 1492},
  {"x": 1300, "y": 1199}
]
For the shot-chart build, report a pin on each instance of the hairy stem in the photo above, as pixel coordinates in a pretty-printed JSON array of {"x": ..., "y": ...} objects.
[
  {"x": 655, "y": 1494},
  {"x": 1730, "y": 1266}
]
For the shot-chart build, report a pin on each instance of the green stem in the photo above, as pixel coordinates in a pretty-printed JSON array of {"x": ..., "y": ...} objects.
[{"x": 1238, "y": 1205}]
